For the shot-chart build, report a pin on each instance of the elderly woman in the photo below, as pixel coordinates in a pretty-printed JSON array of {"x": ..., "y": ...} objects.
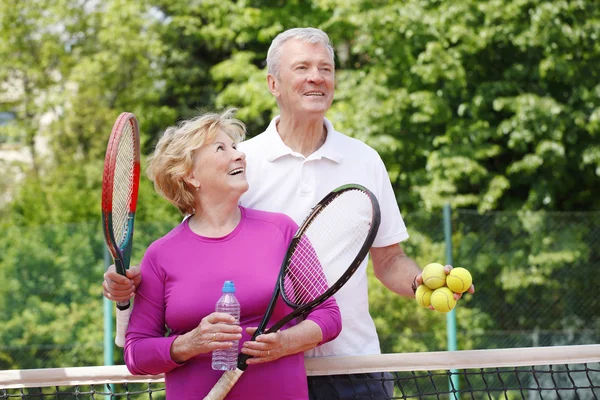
[{"x": 173, "y": 327}]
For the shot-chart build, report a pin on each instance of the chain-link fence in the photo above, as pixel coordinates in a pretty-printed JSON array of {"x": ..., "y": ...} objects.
[{"x": 536, "y": 277}]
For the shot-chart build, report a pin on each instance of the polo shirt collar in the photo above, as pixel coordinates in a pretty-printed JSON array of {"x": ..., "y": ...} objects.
[{"x": 277, "y": 148}]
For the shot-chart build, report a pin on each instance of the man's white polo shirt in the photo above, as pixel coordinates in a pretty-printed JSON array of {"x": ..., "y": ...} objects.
[{"x": 282, "y": 180}]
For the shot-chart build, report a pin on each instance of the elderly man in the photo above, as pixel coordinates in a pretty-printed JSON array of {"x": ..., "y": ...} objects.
[{"x": 296, "y": 162}]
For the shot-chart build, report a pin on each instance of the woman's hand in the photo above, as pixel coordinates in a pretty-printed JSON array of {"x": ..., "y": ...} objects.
[
  {"x": 214, "y": 332},
  {"x": 267, "y": 347}
]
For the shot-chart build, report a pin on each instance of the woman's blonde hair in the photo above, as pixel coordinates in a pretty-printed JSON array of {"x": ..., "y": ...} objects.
[{"x": 173, "y": 159}]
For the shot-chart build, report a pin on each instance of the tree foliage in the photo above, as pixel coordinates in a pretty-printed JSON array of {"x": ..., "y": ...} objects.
[{"x": 488, "y": 105}]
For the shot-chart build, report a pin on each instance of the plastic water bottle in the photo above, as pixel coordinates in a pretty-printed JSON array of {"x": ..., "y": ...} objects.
[{"x": 226, "y": 359}]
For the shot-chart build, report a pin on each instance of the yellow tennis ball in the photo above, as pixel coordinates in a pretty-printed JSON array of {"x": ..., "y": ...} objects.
[
  {"x": 442, "y": 299},
  {"x": 459, "y": 280},
  {"x": 423, "y": 296},
  {"x": 434, "y": 275}
]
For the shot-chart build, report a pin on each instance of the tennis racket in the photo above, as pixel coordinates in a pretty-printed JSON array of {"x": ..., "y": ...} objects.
[
  {"x": 326, "y": 250},
  {"x": 120, "y": 182}
]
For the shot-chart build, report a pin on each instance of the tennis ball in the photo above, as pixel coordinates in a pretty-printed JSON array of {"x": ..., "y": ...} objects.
[
  {"x": 442, "y": 299},
  {"x": 459, "y": 280},
  {"x": 423, "y": 296},
  {"x": 434, "y": 275}
]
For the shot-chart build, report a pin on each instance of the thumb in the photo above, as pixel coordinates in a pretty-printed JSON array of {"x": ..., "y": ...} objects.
[
  {"x": 251, "y": 330},
  {"x": 133, "y": 272}
]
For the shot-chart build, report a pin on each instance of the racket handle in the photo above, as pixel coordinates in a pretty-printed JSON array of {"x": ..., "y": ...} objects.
[
  {"x": 123, "y": 314},
  {"x": 224, "y": 385}
]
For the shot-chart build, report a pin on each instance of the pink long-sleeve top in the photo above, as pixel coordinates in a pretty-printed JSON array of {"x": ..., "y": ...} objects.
[{"x": 183, "y": 274}]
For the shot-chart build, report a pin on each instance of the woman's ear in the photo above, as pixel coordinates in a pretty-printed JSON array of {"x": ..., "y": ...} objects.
[{"x": 192, "y": 181}]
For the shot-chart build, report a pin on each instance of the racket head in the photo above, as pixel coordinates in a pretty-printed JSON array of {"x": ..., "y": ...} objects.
[
  {"x": 329, "y": 246},
  {"x": 120, "y": 185}
]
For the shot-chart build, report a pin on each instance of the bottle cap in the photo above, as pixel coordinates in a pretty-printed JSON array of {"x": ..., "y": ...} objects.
[{"x": 228, "y": 287}]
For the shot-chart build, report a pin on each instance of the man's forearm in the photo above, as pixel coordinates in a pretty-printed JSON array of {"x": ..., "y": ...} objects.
[{"x": 395, "y": 269}]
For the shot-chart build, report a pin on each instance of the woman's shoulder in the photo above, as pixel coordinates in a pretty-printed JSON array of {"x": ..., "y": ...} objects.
[{"x": 166, "y": 239}]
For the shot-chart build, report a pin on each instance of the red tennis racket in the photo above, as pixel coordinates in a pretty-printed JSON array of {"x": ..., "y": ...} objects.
[{"x": 120, "y": 182}]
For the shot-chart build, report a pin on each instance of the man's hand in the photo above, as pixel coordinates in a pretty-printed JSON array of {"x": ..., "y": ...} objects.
[
  {"x": 418, "y": 280},
  {"x": 121, "y": 288}
]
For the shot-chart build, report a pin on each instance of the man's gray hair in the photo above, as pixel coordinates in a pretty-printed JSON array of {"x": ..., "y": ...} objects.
[{"x": 308, "y": 35}]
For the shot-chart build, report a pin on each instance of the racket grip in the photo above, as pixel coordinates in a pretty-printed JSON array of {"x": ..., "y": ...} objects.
[
  {"x": 123, "y": 314},
  {"x": 224, "y": 385}
]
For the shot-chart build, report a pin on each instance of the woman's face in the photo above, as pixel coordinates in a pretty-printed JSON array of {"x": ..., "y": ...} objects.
[{"x": 219, "y": 168}]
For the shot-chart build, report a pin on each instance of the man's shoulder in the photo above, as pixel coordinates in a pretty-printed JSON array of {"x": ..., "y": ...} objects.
[
  {"x": 253, "y": 142},
  {"x": 355, "y": 146},
  {"x": 276, "y": 218}
]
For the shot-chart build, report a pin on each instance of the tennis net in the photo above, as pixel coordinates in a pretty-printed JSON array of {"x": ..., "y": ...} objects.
[{"x": 559, "y": 372}]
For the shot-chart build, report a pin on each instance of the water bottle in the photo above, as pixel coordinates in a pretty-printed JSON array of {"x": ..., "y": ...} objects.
[{"x": 226, "y": 359}]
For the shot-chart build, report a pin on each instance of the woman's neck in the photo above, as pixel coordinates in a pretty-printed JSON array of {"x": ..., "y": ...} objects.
[{"x": 215, "y": 220}]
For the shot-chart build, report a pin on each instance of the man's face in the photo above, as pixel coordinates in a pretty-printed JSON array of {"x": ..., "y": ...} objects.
[{"x": 306, "y": 79}]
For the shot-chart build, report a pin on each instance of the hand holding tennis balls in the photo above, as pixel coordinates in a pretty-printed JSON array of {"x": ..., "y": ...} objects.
[{"x": 442, "y": 286}]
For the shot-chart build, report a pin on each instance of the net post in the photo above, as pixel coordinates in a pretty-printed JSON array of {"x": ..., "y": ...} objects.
[
  {"x": 451, "y": 316},
  {"x": 108, "y": 321}
]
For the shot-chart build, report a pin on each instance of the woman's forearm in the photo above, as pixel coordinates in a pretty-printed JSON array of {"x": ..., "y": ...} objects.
[{"x": 304, "y": 336}]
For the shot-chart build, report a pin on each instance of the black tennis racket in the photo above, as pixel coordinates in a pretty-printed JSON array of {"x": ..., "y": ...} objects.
[
  {"x": 328, "y": 248},
  {"x": 120, "y": 182}
]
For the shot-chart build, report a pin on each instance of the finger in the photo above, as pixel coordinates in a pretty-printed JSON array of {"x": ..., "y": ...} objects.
[
  {"x": 419, "y": 279},
  {"x": 472, "y": 289},
  {"x": 262, "y": 356},
  {"x": 218, "y": 345},
  {"x": 251, "y": 330},
  {"x": 218, "y": 317},
  {"x": 261, "y": 352},
  {"x": 116, "y": 292},
  {"x": 270, "y": 338},
  {"x": 135, "y": 274},
  {"x": 133, "y": 271},
  {"x": 447, "y": 269},
  {"x": 118, "y": 299},
  {"x": 224, "y": 336},
  {"x": 119, "y": 289},
  {"x": 117, "y": 278}
]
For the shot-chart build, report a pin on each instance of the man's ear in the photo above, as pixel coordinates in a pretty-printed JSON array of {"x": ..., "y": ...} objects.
[{"x": 273, "y": 84}]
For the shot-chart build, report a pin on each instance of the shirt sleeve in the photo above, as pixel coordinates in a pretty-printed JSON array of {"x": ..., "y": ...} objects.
[
  {"x": 147, "y": 350},
  {"x": 329, "y": 319},
  {"x": 392, "y": 229}
]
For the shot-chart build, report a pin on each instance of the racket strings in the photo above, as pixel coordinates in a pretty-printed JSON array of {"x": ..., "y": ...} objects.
[
  {"x": 329, "y": 245},
  {"x": 123, "y": 183}
]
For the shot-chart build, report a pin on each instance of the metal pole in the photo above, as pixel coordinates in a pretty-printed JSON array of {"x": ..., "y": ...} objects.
[
  {"x": 108, "y": 325},
  {"x": 451, "y": 316},
  {"x": 108, "y": 320}
]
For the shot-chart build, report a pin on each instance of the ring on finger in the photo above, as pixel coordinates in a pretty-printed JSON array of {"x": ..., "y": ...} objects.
[
  {"x": 268, "y": 353},
  {"x": 214, "y": 337}
]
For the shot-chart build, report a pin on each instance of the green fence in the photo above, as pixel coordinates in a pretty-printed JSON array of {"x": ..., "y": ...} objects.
[
  {"x": 535, "y": 274},
  {"x": 536, "y": 278}
]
